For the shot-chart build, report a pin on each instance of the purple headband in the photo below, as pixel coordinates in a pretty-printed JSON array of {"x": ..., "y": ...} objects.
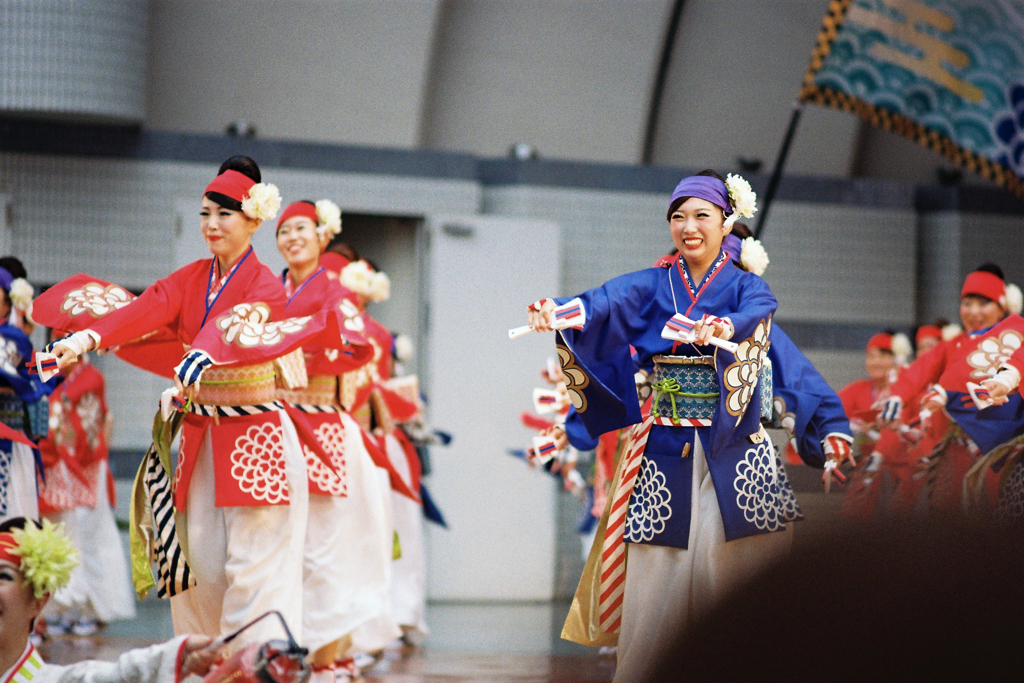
[
  {"x": 5, "y": 279},
  {"x": 706, "y": 188}
]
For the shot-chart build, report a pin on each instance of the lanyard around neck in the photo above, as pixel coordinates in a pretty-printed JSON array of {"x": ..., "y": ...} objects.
[
  {"x": 284, "y": 281},
  {"x": 209, "y": 284}
]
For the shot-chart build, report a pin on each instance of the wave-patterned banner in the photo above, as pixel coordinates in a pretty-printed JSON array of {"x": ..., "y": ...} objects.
[{"x": 946, "y": 73}]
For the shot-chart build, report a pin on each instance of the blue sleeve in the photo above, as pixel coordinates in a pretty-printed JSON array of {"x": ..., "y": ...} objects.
[
  {"x": 15, "y": 352},
  {"x": 577, "y": 433},
  {"x": 596, "y": 360},
  {"x": 756, "y": 303},
  {"x": 805, "y": 398}
]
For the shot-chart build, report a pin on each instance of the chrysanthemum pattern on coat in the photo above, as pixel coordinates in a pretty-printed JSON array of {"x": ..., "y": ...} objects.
[
  {"x": 757, "y": 489},
  {"x": 330, "y": 435},
  {"x": 1011, "y": 498},
  {"x": 789, "y": 508},
  {"x": 575, "y": 379},
  {"x": 90, "y": 412},
  {"x": 741, "y": 376},
  {"x": 650, "y": 505},
  {"x": 992, "y": 353},
  {"x": 258, "y": 464},
  {"x": 5, "y": 479},
  {"x": 95, "y": 299}
]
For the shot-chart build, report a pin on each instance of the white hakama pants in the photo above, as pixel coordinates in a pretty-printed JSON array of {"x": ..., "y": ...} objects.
[
  {"x": 375, "y": 634},
  {"x": 247, "y": 560},
  {"x": 347, "y": 561},
  {"x": 667, "y": 589},
  {"x": 409, "y": 582},
  {"x": 22, "y": 491},
  {"x": 100, "y": 587}
]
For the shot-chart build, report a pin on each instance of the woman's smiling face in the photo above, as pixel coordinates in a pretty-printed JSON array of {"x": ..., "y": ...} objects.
[
  {"x": 18, "y": 605},
  {"x": 227, "y": 232},
  {"x": 298, "y": 241},
  {"x": 698, "y": 228}
]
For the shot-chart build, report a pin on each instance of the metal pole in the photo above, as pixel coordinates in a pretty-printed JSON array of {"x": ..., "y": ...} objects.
[
  {"x": 659, "y": 82},
  {"x": 780, "y": 162}
]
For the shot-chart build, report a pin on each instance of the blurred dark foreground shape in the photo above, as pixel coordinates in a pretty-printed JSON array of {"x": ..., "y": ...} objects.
[{"x": 941, "y": 601}]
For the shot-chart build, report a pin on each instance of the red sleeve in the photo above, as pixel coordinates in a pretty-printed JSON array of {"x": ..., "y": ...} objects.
[
  {"x": 922, "y": 373},
  {"x": 1017, "y": 361},
  {"x": 159, "y": 306},
  {"x": 852, "y": 397}
]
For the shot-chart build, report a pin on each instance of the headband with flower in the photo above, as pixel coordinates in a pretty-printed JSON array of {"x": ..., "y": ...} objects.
[
  {"x": 734, "y": 197},
  {"x": 260, "y": 201},
  {"x": 44, "y": 555},
  {"x": 325, "y": 213},
  {"x": 366, "y": 282}
]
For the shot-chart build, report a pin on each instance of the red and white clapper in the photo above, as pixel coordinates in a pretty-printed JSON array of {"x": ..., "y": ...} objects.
[
  {"x": 679, "y": 328},
  {"x": 43, "y": 364},
  {"x": 570, "y": 314},
  {"x": 543, "y": 451}
]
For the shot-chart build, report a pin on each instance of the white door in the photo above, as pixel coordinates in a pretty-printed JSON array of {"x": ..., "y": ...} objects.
[{"x": 481, "y": 273}]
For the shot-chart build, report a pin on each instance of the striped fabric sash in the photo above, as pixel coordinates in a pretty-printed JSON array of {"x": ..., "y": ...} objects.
[
  {"x": 681, "y": 421},
  {"x": 313, "y": 409},
  {"x": 613, "y": 552},
  {"x": 172, "y": 571},
  {"x": 235, "y": 411}
]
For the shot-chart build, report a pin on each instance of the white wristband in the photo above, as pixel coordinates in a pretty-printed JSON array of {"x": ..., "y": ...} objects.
[
  {"x": 1008, "y": 376},
  {"x": 80, "y": 342}
]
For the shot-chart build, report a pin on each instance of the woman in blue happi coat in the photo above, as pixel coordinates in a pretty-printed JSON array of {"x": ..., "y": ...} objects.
[
  {"x": 23, "y": 405},
  {"x": 704, "y": 507}
]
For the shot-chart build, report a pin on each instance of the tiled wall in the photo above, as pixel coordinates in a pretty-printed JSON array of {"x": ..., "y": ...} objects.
[{"x": 74, "y": 58}]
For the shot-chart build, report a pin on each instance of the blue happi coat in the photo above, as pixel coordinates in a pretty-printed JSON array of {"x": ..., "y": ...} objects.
[{"x": 632, "y": 310}]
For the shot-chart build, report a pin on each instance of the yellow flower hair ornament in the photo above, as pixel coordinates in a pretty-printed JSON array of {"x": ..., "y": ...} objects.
[{"x": 47, "y": 556}]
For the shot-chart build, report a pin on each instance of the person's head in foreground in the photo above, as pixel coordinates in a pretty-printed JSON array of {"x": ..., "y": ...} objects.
[
  {"x": 939, "y": 599},
  {"x": 37, "y": 560}
]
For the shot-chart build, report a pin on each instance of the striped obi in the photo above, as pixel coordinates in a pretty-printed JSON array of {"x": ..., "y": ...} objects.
[{"x": 684, "y": 392}]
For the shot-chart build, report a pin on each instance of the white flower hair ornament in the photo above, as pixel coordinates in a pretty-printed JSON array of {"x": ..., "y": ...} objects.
[
  {"x": 742, "y": 198},
  {"x": 47, "y": 556},
  {"x": 901, "y": 348},
  {"x": 753, "y": 257},
  {"x": 358, "y": 276},
  {"x": 328, "y": 216},
  {"x": 263, "y": 202},
  {"x": 404, "y": 348},
  {"x": 951, "y": 331},
  {"x": 381, "y": 288},
  {"x": 1013, "y": 298},
  {"x": 21, "y": 294}
]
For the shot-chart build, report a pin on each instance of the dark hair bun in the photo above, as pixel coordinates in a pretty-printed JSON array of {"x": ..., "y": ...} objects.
[
  {"x": 243, "y": 165},
  {"x": 711, "y": 173},
  {"x": 992, "y": 268}
]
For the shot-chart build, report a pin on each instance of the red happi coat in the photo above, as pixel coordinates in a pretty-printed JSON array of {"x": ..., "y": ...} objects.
[
  {"x": 858, "y": 399},
  {"x": 76, "y": 446},
  {"x": 367, "y": 397},
  {"x": 238, "y": 319},
  {"x": 322, "y": 292}
]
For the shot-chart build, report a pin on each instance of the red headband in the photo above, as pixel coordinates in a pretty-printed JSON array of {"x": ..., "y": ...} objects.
[
  {"x": 232, "y": 184},
  {"x": 299, "y": 209},
  {"x": 983, "y": 283},
  {"x": 333, "y": 262},
  {"x": 927, "y": 332},
  {"x": 882, "y": 341},
  {"x": 7, "y": 545}
]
